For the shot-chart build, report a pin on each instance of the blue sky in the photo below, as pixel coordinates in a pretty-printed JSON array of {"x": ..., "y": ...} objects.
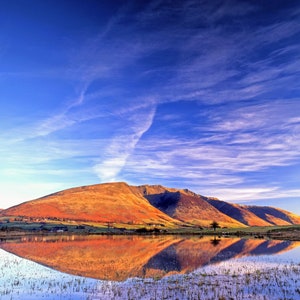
[{"x": 191, "y": 94}]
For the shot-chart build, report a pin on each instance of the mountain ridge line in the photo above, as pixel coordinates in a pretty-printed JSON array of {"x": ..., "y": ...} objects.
[{"x": 119, "y": 202}]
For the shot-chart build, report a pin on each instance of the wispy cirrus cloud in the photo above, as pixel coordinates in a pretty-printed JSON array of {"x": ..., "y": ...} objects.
[
  {"x": 123, "y": 144},
  {"x": 255, "y": 193},
  {"x": 194, "y": 93},
  {"x": 232, "y": 149}
]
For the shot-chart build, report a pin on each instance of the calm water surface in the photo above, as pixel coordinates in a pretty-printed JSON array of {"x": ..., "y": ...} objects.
[{"x": 78, "y": 267}]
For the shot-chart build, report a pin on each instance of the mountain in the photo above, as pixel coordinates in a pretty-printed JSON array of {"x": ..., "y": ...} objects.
[
  {"x": 186, "y": 206},
  {"x": 238, "y": 212},
  {"x": 145, "y": 205},
  {"x": 101, "y": 203},
  {"x": 255, "y": 215},
  {"x": 274, "y": 216}
]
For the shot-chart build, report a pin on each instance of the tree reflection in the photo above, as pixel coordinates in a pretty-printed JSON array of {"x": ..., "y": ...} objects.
[
  {"x": 215, "y": 241},
  {"x": 121, "y": 257}
]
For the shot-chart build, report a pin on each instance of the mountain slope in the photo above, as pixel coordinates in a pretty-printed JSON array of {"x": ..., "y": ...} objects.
[
  {"x": 255, "y": 215},
  {"x": 186, "y": 206},
  {"x": 274, "y": 216},
  {"x": 111, "y": 202},
  {"x": 238, "y": 212},
  {"x": 146, "y": 205}
]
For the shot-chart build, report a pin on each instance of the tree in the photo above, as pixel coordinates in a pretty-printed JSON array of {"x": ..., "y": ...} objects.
[{"x": 214, "y": 225}]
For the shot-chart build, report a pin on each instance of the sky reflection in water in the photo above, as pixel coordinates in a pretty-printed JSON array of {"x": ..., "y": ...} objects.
[
  {"x": 82, "y": 267},
  {"x": 118, "y": 258}
]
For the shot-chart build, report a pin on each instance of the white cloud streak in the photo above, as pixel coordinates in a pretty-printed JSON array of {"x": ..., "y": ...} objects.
[
  {"x": 245, "y": 141},
  {"x": 122, "y": 146},
  {"x": 244, "y": 73},
  {"x": 241, "y": 195}
]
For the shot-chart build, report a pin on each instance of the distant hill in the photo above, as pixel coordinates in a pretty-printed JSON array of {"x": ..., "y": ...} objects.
[
  {"x": 146, "y": 205},
  {"x": 256, "y": 215},
  {"x": 274, "y": 216},
  {"x": 238, "y": 212}
]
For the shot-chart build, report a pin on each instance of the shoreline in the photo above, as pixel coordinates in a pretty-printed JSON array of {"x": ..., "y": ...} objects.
[{"x": 11, "y": 231}]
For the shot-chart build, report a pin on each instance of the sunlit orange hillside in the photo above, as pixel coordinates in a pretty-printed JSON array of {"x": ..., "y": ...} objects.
[
  {"x": 111, "y": 202},
  {"x": 145, "y": 205}
]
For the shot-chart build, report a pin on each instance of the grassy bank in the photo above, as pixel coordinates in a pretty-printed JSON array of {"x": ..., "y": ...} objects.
[{"x": 19, "y": 228}]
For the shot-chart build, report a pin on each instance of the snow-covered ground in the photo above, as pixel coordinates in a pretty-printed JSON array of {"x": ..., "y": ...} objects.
[{"x": 257, "y": 277}]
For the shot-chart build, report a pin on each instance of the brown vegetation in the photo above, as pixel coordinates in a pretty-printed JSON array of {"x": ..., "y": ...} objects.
[
  {"x": 102, "y": 203},
  {"x": 153, "y": 206}
]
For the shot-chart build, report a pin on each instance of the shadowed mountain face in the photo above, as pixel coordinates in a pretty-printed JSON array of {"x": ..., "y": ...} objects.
[
  {"x": 238, "y": 212},
  {"x": 190, "y": 208},
  {"x": 274, "y": 216},
  {"x": 119, "y": 257},
  {"x": 255, "y": 215},
  {"x": 146, "y": 204}
]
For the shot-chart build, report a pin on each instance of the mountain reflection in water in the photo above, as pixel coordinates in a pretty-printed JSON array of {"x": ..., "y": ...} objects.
[{"x": 120, "y": 257}]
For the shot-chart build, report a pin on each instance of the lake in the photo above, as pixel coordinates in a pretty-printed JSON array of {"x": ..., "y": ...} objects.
[{"x": 148, "y": 267}]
